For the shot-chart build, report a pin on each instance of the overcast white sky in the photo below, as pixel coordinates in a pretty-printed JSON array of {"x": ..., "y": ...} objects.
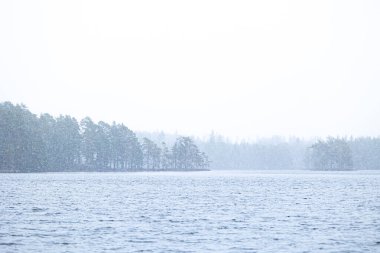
[{"x": 241, "y": 68}]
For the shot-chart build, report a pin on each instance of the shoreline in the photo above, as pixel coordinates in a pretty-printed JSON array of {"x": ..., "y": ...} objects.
[{"x": 104, "y": 171}]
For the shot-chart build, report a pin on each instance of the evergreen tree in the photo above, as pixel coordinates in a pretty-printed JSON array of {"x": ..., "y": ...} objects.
[
  {"x": 68, "y": 142},
  {"x": 21, "y": 140},
  {"x": 333, "y": 154},
  {"x": 88, "y": 144},
  {"x": 165, "y": 157},
  {"x": 186, "y": 155},
  {"x": 151, "y": 154},
  {"x": 103, "y": 145}
]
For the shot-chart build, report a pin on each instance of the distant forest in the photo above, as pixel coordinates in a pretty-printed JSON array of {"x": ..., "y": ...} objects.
[
  {"x": 281, "y": 153},
  {"x": 294, "y": 153},
  {"x": 31, "y": 143}
]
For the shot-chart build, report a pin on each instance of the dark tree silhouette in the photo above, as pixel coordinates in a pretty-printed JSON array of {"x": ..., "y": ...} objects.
[
  {"x": 29, "y": 143},
  {"x": 333, "y": 154}
]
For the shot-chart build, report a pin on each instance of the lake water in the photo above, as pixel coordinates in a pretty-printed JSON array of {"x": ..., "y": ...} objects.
[{"x": 190, "y": 212}]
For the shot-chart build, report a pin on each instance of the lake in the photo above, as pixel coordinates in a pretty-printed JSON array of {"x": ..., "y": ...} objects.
[{"x": 220, "y": 211}]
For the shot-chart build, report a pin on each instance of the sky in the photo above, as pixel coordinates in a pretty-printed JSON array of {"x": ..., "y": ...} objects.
[{"x": 243, "y": 69}]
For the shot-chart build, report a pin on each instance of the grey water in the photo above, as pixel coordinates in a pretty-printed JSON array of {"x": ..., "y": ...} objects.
[{"x": 228, "y": 211}]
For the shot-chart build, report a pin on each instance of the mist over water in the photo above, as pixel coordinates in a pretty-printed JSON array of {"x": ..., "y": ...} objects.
[{"x": 291, "y": 211}]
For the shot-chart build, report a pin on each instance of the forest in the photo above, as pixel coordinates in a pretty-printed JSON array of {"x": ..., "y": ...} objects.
[
  {"x": 31, "y": 143},
  {"x": 280, "y": 153},
  {"x": 286, "y": 153}
]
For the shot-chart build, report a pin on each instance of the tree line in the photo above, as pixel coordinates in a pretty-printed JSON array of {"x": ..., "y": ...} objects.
[
  {"x": 280, "y": 153},
  {"x": 332, "y": 153},
  {"x": 46, "y": 143},
  {"x": 31, "y": 143}
]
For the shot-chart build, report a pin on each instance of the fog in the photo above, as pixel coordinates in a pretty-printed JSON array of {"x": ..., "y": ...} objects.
[
  {"x": 241, "y": 69},
  {"x": 189, "y": 126}
]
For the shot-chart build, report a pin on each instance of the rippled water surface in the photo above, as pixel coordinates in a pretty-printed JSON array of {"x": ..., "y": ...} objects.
[{"x": 190, "y": 212}]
